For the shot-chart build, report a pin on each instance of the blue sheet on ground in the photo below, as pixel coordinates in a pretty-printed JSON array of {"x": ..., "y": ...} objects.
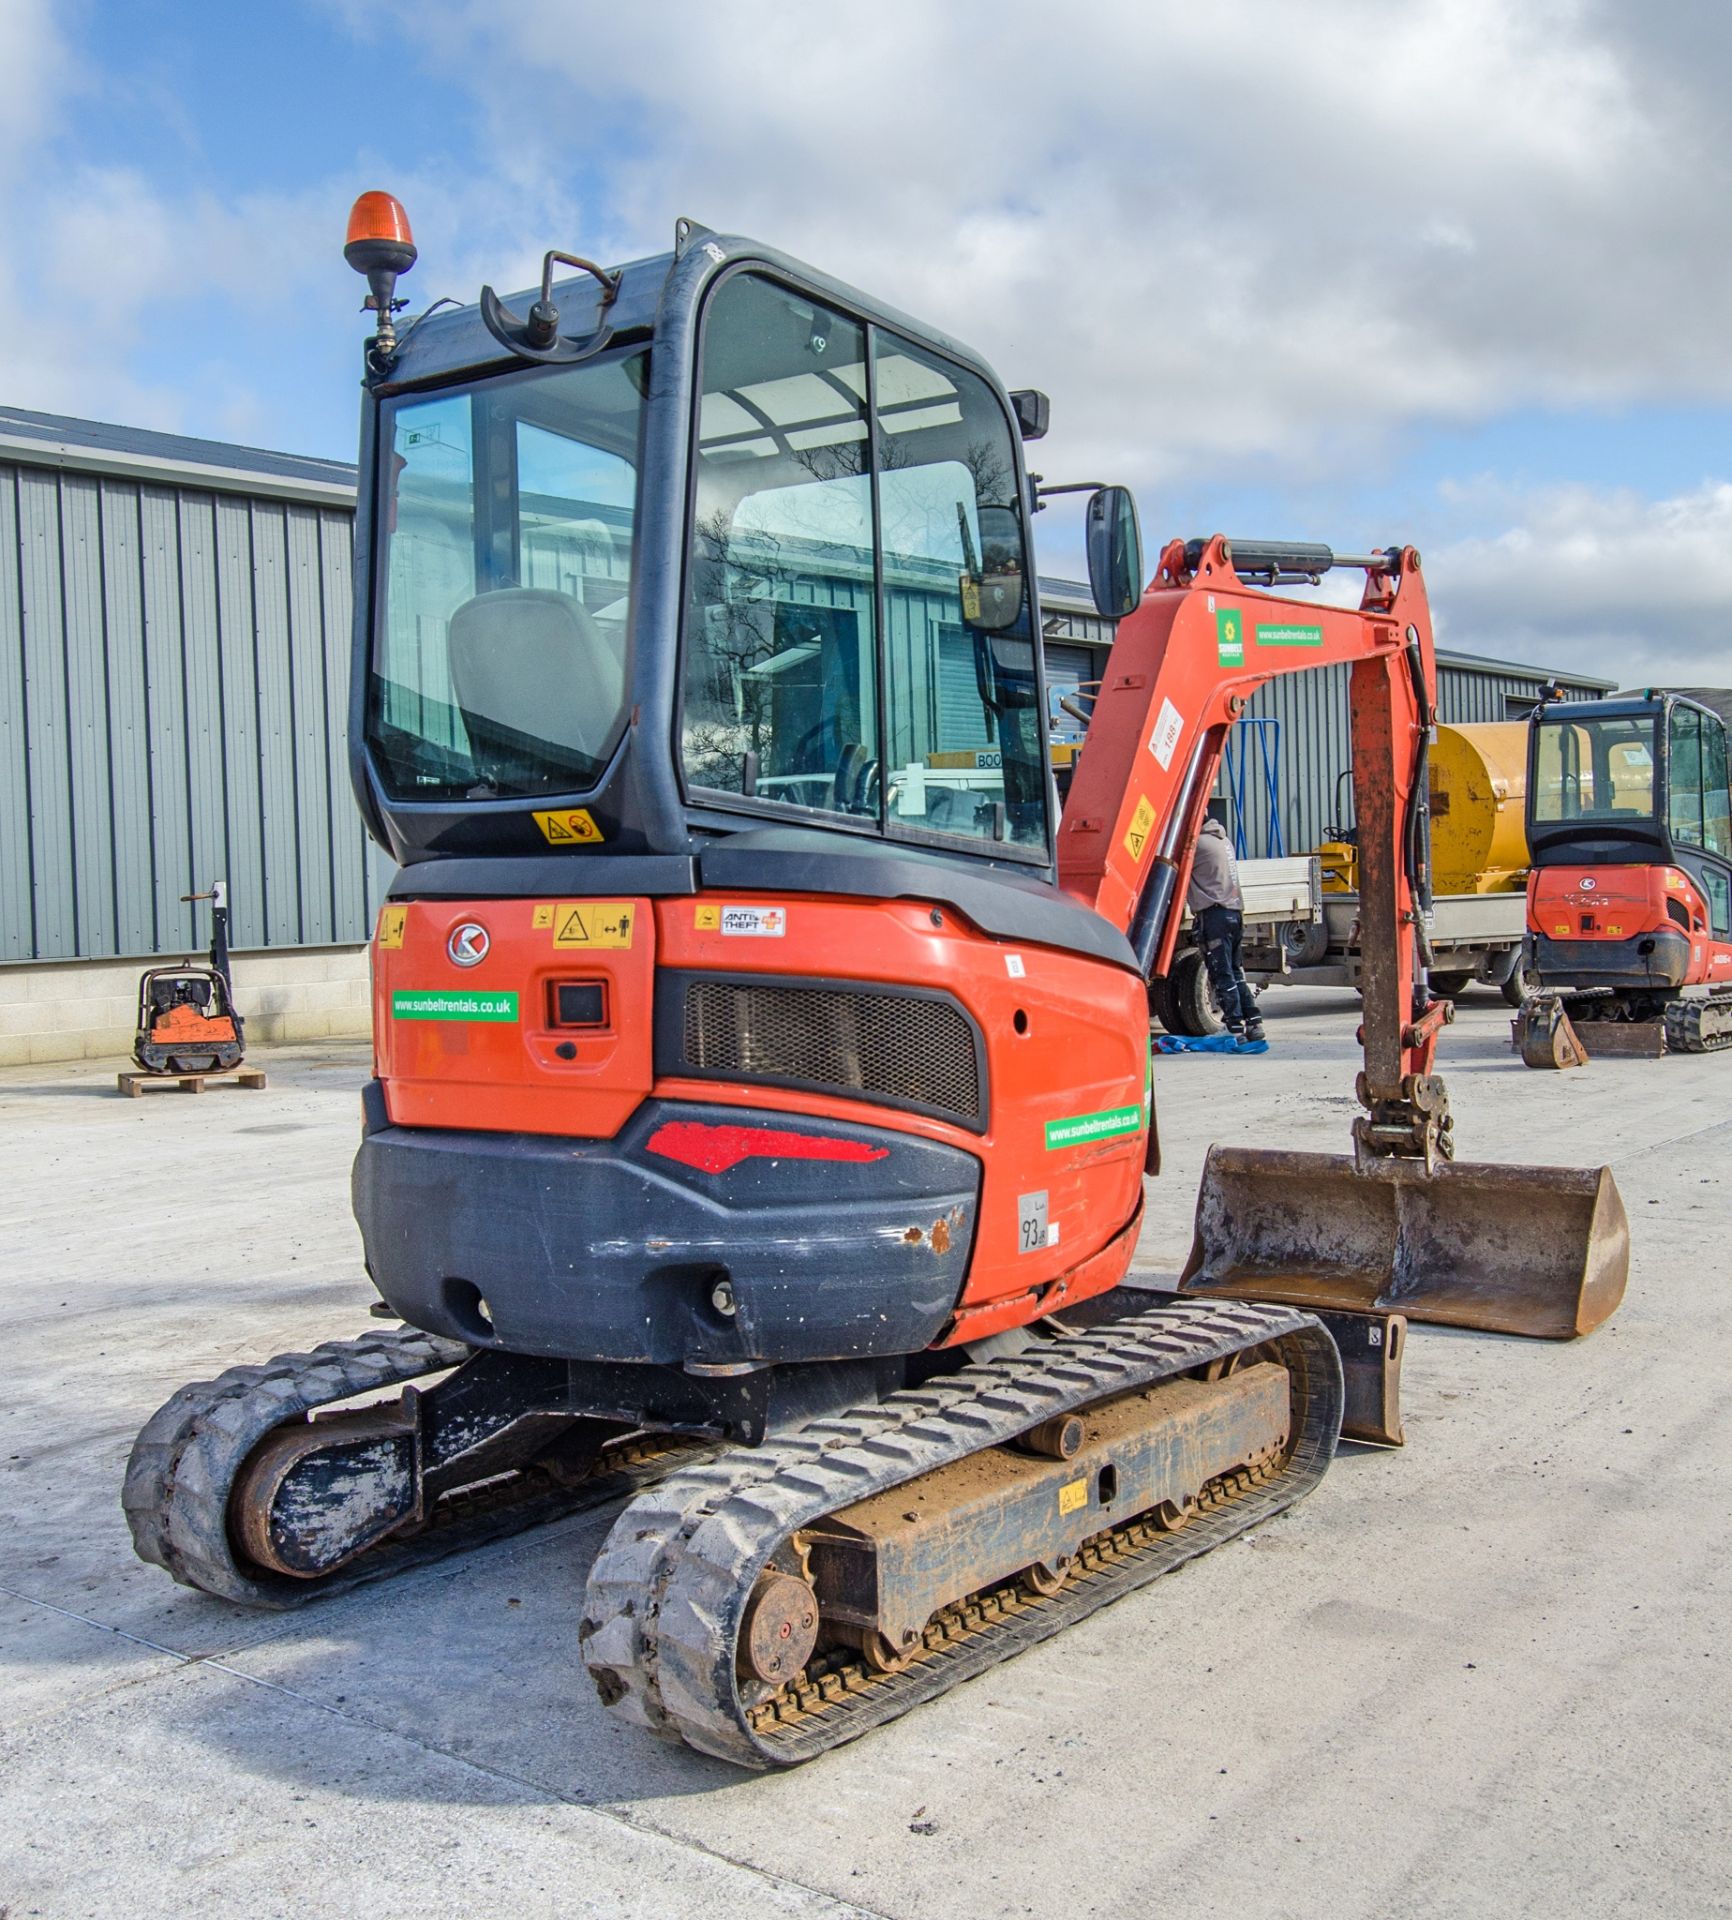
[{"x": 1207, "y": 1043}]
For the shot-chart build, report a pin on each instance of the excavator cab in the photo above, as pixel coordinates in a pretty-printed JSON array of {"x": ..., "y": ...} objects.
[{"x": 800, "y": 557}]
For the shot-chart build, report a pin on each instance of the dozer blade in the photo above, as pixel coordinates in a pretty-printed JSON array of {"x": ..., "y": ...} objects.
[
  {"x": 1542, "y": 1034},
  {"x": 1534, "y": 1250}
]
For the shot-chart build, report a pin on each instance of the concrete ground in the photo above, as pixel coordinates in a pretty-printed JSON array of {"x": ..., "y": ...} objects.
[{"x": 1488, "y": 1674}]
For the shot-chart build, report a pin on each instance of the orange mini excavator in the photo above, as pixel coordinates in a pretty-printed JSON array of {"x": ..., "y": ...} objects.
[
  {"x": 1629, "y": 818},
  {"x": 763, "y": 1092}
]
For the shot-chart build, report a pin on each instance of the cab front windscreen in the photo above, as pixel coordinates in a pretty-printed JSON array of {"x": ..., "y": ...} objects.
[
  {"x": 1594, "y": 769},
  {"x": 505, "y": 560}
]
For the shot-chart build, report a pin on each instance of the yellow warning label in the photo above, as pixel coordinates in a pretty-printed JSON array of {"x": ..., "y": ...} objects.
[
  {"x": 392, "y": 921},
  {"x": 543, "y": 916},
  {"x": 1142, "y": 823},
  {"x": 594, "y": 923},
  {"x": 1073, "y": 1496},
  {"x": 707, "y": 919},
  {"x": 569, "y": 827}
]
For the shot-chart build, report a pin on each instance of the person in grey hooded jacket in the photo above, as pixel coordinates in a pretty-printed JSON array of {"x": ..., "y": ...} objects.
[{"x": 1218, "y": 909}]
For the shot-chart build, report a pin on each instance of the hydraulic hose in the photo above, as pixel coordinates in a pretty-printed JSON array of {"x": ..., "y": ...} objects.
[{"x": 1416, "y": 829}]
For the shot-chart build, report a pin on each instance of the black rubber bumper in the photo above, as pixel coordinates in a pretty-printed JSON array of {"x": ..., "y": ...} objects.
[
  {"x": 613, "y": 1250},
  {"x": 1615, "y": 963}
]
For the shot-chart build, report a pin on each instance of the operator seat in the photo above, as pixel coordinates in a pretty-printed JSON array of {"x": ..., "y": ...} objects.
[{"x": 537, "y": 685}]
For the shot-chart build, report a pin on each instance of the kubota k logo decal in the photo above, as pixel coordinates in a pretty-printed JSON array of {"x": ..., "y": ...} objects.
[{"x": 468, "y": 944}]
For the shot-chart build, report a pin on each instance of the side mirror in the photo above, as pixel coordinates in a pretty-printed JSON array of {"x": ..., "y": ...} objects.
[
  {"x": 1115, "y": 550},
  {"x": 991, "y": 585}
]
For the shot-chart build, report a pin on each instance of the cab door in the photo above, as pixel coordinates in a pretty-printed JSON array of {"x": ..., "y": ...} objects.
[{"x": 1699, "y": 820}]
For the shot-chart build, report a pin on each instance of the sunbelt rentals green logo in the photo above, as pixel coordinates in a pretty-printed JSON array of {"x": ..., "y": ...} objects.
[
  {"x": 1084, "y": 1129},
  {"x": 1229, "y": 637},
  {"x": 443, "y": 1004}
]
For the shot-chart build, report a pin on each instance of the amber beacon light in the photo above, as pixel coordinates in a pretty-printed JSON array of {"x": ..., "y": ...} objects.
[{"x": 380, "y": 245}]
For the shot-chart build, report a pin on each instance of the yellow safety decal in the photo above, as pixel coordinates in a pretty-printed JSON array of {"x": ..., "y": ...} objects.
[
  {"x": 569, "y": 827},
  {"x": 1142, "y": 821},
  {"x": 543, "y": 916},
  {"x": 1073, "y": 1496},
  {"x": 594, "y": 923},
  {"x": 392, "y": 921},
  {"x": 707, "y": 919}
]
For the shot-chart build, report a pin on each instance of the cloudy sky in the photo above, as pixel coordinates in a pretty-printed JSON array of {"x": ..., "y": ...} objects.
[{"x": 1452, "y": 272}]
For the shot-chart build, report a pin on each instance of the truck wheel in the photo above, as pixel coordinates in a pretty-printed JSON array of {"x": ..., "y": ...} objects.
[
  {"x": 1450, "y": 986},
  {"x": 1188, "y": 997},
  {"x": 1306, "y": 942},
  {"x": 1520, "y": 986}
]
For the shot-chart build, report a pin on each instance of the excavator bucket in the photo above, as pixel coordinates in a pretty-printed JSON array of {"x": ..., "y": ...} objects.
[
  {"x": 1542, "y": 1034},
  {"x": 1535, "y": 1250}
]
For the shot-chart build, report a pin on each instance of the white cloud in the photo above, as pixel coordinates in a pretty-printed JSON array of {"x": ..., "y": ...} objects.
[
  {"x": 1218, "y": 235},
  {"x": 34, "y": 72},
  {"x": 1244, "y": 246},
  {"x": 1635, "y": 590}
]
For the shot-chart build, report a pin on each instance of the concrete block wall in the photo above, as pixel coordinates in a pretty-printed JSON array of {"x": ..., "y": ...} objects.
[{"x": 88, "y": 1009}]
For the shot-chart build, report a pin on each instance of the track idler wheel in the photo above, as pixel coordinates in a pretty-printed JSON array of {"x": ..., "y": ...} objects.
[
  {"x": 318, "y": 1493},
  {"x": 780, "y": 1628}
]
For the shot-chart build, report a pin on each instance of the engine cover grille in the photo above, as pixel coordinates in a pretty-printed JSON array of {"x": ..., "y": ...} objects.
[{"x": 897, "y": 1046}]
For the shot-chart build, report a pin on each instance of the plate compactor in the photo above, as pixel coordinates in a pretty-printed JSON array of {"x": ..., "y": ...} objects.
[
  {"x": 187, "y": 1020},
  {"x": 763, "y": 1092}
]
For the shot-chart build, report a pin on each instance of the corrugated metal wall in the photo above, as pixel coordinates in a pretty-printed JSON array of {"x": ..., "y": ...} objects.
[
  {"x": 173, "y": 691},
  {"x": 1314, "y": 747}
]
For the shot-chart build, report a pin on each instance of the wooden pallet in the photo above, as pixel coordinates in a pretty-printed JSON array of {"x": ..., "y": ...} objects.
[{"x": 134, "y": 1084}]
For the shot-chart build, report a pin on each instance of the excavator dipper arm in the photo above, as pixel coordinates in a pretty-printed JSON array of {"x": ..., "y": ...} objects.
[
  {"x": 1183, "y": 669},
  {"x": 1396, "y": 1228}
]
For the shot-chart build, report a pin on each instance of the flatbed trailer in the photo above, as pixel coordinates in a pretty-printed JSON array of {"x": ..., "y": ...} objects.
[{"x": 1474, "y": 937}]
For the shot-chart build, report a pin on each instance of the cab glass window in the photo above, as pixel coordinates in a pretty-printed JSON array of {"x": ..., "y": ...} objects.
[
  {"x": 966, "y": 734},
  {"x": 1594, "y": 770},
  {"x": 859, "y": 631},
  {"x": 1684, "y": 776},
  {"x": 1696, "y": 772},
  {"x": 781, "y": 612},
  {"x": 1716, "y": 799},
  {"x": 507, "y": 523}
]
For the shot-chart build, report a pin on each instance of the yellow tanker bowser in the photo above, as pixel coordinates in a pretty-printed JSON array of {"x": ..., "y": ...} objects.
[{"x": 1479, "y": 856}]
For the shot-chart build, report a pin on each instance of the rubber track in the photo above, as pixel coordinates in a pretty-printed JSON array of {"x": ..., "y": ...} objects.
[
  {"x": 1699, "y": 1025},
  {"x": 668, "y": 1590},
  {"x": 187, "y": 1456}
]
